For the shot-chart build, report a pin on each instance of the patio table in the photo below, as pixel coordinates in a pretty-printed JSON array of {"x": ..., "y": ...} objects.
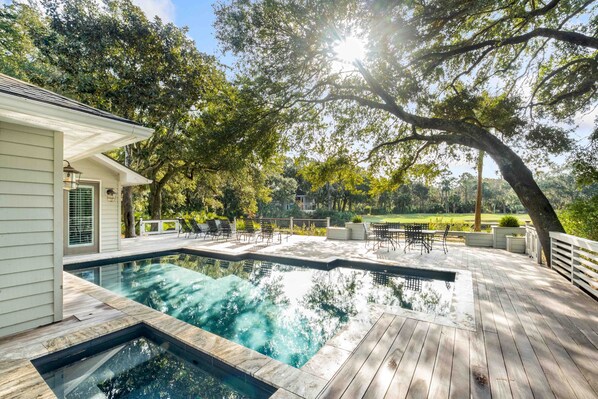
[{"x": 428, "y": 236}]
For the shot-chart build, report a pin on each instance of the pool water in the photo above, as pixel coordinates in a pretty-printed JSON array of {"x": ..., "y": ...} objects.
[
  {"x": 282, "y": 311},
  {"x": 140, "y": 368}
]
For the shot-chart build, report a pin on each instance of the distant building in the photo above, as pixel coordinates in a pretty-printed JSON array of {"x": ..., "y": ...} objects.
[{"x": 304, "y": 202}]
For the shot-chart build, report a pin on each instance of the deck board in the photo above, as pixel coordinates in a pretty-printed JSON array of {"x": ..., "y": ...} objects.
[
  {"x": 459, "y": 386},
  {"x": 379, "y": 385},
  {"x": 399, "y": 386},
  {"x": 443, "y": 366},
  {"x": 420, "y": 383},
  {"x": 361, "y": 381}
]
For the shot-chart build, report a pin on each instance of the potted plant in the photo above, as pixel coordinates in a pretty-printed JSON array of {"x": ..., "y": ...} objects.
[
  {"x": 357, "y": 228},
  {"x": 516, "y": 243},
  {"x": 508, "y": 225}
]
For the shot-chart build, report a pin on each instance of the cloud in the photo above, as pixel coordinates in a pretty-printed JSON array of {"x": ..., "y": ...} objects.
[{"x": 162, "y": 8}]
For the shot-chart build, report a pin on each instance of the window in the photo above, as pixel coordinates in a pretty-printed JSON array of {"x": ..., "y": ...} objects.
[{"x": 81, "y": 216}]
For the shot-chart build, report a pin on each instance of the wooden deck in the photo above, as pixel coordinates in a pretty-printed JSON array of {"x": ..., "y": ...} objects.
[{"x": 535, "y": 336}]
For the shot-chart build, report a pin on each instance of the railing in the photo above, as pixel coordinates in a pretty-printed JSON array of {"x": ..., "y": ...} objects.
[
  {"x": 291, "y": 223},
  {"x": 162, "y": 226},
  {"x": 576, "y": 259},
  {"x": 533, "y": 246}
]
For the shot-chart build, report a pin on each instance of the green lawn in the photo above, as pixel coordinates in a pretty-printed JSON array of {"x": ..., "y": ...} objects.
[{"x": 439, "y": 218}]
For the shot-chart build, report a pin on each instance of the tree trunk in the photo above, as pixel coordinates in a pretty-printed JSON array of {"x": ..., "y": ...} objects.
[
  {"x": 517, "y": 174},
  {"x": 128, "y": 210},
  {"x": 155, "y": 201},
  {"x": 477, "y": 224}
]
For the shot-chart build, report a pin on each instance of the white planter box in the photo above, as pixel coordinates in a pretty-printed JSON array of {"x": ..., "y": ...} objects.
[
  {"x": 357, "y": 230},
  {"x": 478, "y": 239},
  {"x": 500, "y": 235},
  {"x": 337, "y": 233},
  {"x": 516, "y": 244}
]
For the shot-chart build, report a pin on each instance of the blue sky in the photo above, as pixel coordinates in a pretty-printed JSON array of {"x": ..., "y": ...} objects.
[{"x": 197, "y": 15}]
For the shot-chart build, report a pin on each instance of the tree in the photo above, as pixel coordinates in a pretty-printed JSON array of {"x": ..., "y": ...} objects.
[
  {"x": 338, "y": 175},
  {"x": 436, "y": 78},
  {"x": 109, "y": 55}
]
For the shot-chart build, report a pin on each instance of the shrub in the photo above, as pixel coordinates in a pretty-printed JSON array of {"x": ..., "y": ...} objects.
[
  {"x": 581, "y": 218},
  {"x": 336, "y": 218},
  {"x": 357, "y": 219},
  {"x": 508, "y": 221}
]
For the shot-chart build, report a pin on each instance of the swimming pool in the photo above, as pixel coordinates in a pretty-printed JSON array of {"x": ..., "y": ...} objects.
[{"x": 282, "y": 310}]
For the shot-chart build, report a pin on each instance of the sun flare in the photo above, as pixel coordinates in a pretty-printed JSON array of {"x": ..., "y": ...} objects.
[{"x": 350, "y": 50}]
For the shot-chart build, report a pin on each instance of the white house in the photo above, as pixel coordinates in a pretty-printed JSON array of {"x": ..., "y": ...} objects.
[{"x": 39, "y": 220}]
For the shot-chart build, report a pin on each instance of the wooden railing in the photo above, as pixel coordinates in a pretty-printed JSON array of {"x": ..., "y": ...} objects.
[
  {"x": 533, "y": 246},
  {"x": 290, "y": 223},
  {"x": 576, "y": 259},
  {"x": 163, "y": 226}
]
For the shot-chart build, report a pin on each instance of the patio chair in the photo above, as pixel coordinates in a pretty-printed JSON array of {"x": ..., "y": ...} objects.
[
  {"x": 415, "y": 236},
  {"x": 184, "y": 228},
  {"x": 197, "y": 229},
  {"x": 248, "y": 232},
  {"x": 213, "y": 229},
  {"x": 267, "y": 233},
  {"x": 395, "y": 235},
  {"x": 368, "y": 233},
  {"x": 444, "y": 236},
  {"x": 382, "y": 236},
  {"x": 225, "y": 229}
]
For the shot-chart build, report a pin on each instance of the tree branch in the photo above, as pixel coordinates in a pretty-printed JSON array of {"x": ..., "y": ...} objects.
[{"x": 560, "y": 35}]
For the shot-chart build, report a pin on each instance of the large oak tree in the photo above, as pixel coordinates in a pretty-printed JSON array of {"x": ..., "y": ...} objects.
[{"x": 437, "y": 78}]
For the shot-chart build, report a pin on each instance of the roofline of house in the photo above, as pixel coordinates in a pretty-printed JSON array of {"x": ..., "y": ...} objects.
[{"x": 22, "y": 105}]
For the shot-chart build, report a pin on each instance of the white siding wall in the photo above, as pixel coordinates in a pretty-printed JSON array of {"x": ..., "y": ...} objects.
[
  {"x": 109, "y": 211},
  {"x": 30, "y": 236}
]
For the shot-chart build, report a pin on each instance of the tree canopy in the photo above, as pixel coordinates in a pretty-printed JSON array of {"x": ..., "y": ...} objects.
[
  {"x": 434, "y": 79},
  {"x": 209, "y": 132}
]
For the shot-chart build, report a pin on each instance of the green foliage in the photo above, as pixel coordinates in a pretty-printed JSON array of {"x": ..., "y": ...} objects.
[
  {"x": 581, "y": 218},
  {"x": 202, "y": 216},
  {"x": 357, "y": 219},
  {"x": 438, "y": 81},
  {"x": 210, "y": 134},
  {"x": 336, "y": 218},
  {"x": 310, "y": 230},
  {"x": 585, "y": 162},
  {"x": 508, "y": 221}
]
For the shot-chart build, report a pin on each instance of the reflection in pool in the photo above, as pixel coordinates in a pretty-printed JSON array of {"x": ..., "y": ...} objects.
[{"x": 283, "y": 311}]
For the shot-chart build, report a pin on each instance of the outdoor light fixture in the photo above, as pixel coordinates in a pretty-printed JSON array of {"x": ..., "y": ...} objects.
[
  {"x": 70, "y": 177},
  {"x": 111, "y": 195}
]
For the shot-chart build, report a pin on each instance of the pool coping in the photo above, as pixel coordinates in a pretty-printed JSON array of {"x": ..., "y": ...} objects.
[{"x": 329, "y": 359}]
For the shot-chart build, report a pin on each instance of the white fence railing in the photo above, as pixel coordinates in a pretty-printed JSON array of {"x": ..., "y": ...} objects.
[
  {"x": 290, "y": 223},
  {"x": 163, "y": 226},
  {"x": 533, "y": 246},
  {"x": 576, "y": 259}
]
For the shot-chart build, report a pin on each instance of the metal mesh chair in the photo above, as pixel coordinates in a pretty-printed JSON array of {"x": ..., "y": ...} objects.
[
  {"x": 382, "y": 236},
  {"x": 184, "y": 228}
]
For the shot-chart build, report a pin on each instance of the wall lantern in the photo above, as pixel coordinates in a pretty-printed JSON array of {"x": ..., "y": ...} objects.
[
  {"x": 70, "y": 177},
  {"x": 111, "y": 195}
]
